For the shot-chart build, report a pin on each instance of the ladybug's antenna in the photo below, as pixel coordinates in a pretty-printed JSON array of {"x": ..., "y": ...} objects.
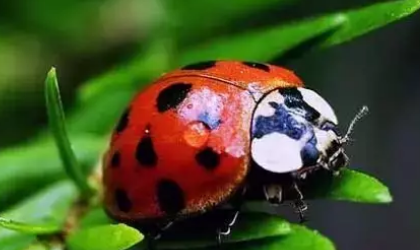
[{"x": 362, "y": 112}]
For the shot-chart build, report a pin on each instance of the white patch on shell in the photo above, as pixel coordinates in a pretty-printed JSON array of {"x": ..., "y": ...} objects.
[
  {"x": 264, "y": 108},
  {"x": 255, "y": 89},
  {"x": 198, "y": 102},
  {"x": 267, "y": 154},
  {"x": 324, "y": 139},
  {"x": 319, "y": 104}
]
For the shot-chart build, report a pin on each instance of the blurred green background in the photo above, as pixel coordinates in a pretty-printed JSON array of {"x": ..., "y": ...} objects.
[{"x": 87, "y": 39}]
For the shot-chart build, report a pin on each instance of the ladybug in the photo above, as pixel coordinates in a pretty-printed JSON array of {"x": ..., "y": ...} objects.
[{"x": 199, "y": 135}]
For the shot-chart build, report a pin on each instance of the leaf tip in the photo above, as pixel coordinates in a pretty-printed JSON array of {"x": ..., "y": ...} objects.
[
  {"x": 385, "y": 196},
  {"x": 137, "y": 235},
  {"x": 52, "y": 73}
]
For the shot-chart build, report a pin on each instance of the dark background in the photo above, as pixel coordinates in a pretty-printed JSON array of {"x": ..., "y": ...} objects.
[{"x": 381, "y": 70}]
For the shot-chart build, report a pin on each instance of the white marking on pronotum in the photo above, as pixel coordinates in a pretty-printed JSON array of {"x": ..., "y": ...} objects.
[
  {"x": 264, "y": 108},
  {"x": 267, "y": 154},
  {"x": 318, "y": 103}
]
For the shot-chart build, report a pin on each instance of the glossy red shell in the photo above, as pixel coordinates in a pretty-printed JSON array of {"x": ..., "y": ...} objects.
[{"x": 182, "y": 146}]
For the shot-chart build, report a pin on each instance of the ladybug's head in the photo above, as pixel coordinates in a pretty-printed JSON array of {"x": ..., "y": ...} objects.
[
  {"x": 335, "y": 156},
  {"x": 294, "y": 130}
]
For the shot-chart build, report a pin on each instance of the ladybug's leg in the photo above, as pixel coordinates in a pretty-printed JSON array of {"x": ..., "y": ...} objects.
[
  {"x": 273, "y": 194},
  {"x": 160, "y": 228},
  {"x": 154, "y": 232},
  {"x": 224, "y": 231},
  {"x": 232, "y": 216},
  {"x": 299, "y": 204}
]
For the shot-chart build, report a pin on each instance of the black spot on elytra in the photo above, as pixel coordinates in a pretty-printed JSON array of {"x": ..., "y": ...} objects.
[
  {"x": 170, "y": 197},
  {"x": 172, "y": 96},
  {"x": 200, "y": 65},
  {"x": 255, "y": 65},
  {"x": 123, "y": 202},
  {"x": 145, "y": 152},
  {"x": 115, "y": 159},
  {"x": 293, "y": 99},
  {"x": 122, "y": 124},
  {"x": 208, "y": 158}
]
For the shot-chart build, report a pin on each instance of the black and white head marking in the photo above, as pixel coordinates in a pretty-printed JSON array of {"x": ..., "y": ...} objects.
[
  {"x": 318, "y": 103},
  {"x": 294, "y": 128}
]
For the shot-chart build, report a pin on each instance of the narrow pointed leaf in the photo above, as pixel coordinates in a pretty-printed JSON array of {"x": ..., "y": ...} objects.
[
  {"x": 350, "y": 185},
  {"x": 36, "y": 229},
  {"x": 193, "y": 19},
  {"x": 250, "y": 227},
  {"x": 364, "y": 20},
  {"x": 267, "y": 44},
  {"x": 109, "y": 237},
  {"x": 263, "y": 45},
  {"x": 58, "y": 128}
]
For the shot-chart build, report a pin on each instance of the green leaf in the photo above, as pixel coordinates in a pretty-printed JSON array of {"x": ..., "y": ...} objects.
[
  {"x": 349, "y": 185},
  {"x": 15, "y": 241},
  {"x": 263, "y": 45},
  {"x": 38, "y": 246},
  {"x": 249, "y": 227},
  {"x": 58, "y": 128},
  {"x": 364, "y": 20},
  {"x": 104, "y": 98},
  {"x": 152, "y": 62},
  {"x": 26, "y": 169},
  {"x": 29, "y": 228},
  {"x": 43, "y": 245},
  {"x": 300, "y": 238},
  {"x": 95, "y": 217},
  {"x": 354, "y": 186},
  {"x": 324, "y": 31},
  {"x": 194, "y": 19},
  {"x": 50, "y": 206},
  {"x": 109, "y": 237},
  {"x": 101, "y": 115}
]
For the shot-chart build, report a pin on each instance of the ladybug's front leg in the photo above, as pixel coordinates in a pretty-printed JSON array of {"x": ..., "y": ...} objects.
[{"x": 299, "y": 204}]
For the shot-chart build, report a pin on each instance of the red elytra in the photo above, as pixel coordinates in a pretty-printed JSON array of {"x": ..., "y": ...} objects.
[{"x": 182, "y": 146}]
